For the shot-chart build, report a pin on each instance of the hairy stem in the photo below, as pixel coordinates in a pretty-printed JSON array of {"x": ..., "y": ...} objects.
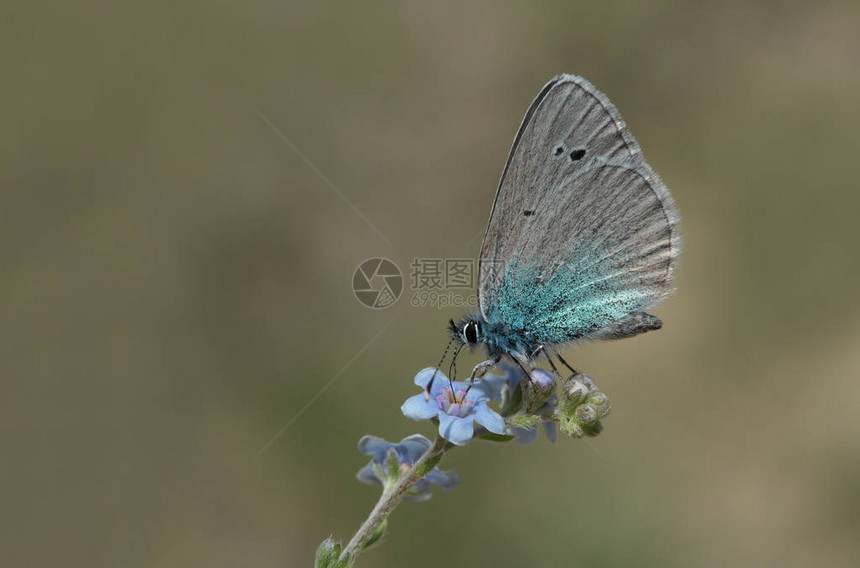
[{"x": 390, "y": 499}]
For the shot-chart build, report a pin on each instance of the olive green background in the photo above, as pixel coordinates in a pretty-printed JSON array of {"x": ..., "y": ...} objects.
[{"x": 176, "y": 281}]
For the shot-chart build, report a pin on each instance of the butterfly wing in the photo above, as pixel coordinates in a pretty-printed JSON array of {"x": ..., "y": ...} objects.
[{"x": 582, "y": 231}]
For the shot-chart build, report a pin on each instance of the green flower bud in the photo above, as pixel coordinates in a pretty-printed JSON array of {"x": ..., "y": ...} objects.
[
  {"x": 568, "y": 425},
  {"x": 328, "y": 554},
  {"x": 585, "y": 415},
  {"x": 576, "y": 389},
  {"x": 581, "y": 407},
  {"x": 523, "y": 421},
  {"x": 601, "y": 403}
]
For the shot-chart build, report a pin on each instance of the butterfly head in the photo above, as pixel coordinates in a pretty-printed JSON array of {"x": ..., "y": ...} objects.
[{"x": 467, "y": 331}]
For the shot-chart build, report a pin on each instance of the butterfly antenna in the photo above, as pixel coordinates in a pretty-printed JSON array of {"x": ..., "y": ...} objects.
[{"x": 433, "y": 378}]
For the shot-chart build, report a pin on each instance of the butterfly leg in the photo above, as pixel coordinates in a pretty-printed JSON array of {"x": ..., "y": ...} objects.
[
  {"x": 628, "y": 326},
  {"x": 545, "y": 351},
  {"x": 565, "y": 363},
  {"x": 521, "y": 366},
  {"x": 482, "y": 368}
]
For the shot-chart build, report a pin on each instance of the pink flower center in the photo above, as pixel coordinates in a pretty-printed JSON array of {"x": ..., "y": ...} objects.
[{"x": 455, "y": 404}]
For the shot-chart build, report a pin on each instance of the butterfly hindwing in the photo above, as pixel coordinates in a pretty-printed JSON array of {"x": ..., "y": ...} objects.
[{"x": 603, "y": 251}]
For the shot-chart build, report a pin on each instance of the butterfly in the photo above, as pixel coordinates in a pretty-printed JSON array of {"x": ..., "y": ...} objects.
[{"x": 582, "y": 239}]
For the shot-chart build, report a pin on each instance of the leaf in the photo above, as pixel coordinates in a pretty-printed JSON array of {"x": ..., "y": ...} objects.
[{"x": 490, "y": 437}]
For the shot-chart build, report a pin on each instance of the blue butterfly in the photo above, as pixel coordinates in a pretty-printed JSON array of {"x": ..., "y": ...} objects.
[{"x": 582, "y": 239}]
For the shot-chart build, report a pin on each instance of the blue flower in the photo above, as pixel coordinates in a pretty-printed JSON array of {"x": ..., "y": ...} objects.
[
  {"x": 456, "y": 410},
  {"x": 407, "y": 451},
  {"x": 540, "y": 386}
]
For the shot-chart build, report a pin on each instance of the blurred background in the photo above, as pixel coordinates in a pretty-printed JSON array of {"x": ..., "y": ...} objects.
[{"x": 188, "y": 187}]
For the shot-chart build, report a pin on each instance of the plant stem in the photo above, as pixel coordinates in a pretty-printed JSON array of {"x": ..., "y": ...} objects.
[{"x": 390, "y": 500}]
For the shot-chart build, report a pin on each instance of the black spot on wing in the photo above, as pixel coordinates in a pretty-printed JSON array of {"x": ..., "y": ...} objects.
[
  {"x": 529, "y": 212},
  {"x": 577, "y": 154}
]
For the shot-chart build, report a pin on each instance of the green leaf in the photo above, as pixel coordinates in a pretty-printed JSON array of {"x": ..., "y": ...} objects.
[
  {"x": 427, "y": 467},
  {"x": 377, "y": 534},
  {"x": 490, "y": 437}
]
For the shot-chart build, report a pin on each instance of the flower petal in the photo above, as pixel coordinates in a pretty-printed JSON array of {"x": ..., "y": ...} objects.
[
  {"x": 424, "y": 375},
  {"x": 495, "y": 384},
  {"x": 373, "y": 446},
  {"x": 444, "y": 479},
  {"x": 417, "y": 439},
  {"x": 489, "y": 419},
  {"x": 417, "y": 408},
  {"x": 367, "y": 475},
  {"x": 551, "y": 431},
  {"x": 525, "y": 435},
  {"x": 481, "y": 391},
  {"x": 455, "y": 429},
  {"x": 419, "y": 496},
  {"x": 411, "y": 448}
]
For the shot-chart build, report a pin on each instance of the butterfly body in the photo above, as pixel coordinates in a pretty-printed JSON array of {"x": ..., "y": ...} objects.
[{"x": 583, "y": 235}]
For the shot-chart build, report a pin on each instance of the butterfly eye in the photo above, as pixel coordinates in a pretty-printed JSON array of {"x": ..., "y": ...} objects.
[{"x": 471, "y": 332}]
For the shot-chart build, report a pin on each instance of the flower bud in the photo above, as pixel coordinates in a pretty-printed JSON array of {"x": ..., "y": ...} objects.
[
  {"x": 542, "y": 380},
  {"x": 569, "y": 426},
  {"x": 577, "y": 387},
  {"x": 538, "y": 389},
  {"x": 581, "y": 407},
  {"x": 601, "y": 403},
  {"x": 524, "y": 421},
  {"x": 585, "y": 415},
  {"x": 575, "y": 392},
  {"x": 328, "y": 554}
]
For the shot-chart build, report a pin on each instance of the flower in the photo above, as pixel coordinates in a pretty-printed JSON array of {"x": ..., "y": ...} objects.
[
  {"x": 456, "y": 410},
  {"x": 407, "y": 452}
]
